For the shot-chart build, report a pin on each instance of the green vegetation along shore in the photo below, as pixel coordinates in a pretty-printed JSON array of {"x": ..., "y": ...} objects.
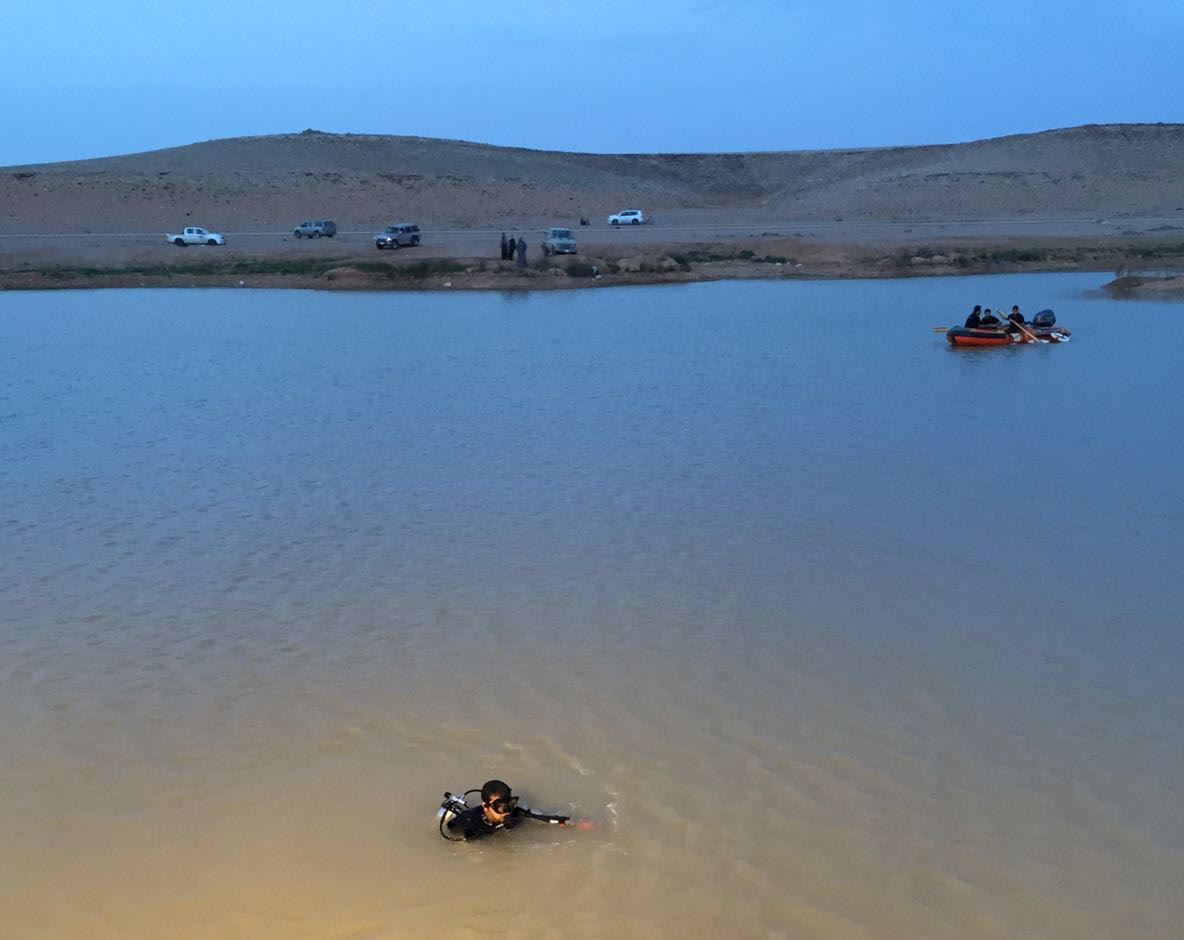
[{"x": 1143, "y": 268}]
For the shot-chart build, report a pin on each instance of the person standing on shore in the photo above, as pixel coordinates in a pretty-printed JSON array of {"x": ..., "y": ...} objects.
[
  {"x": 505, "y": 247},
  {"x": 522, "y": 252}
]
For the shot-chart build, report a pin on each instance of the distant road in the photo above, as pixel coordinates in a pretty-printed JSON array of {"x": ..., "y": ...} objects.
[
  {"x": 845, "y": 230},
  {"x": 116, "y": 249}
]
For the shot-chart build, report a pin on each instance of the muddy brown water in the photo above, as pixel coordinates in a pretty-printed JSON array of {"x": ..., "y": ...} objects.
[{"x": 833, "y": 631}]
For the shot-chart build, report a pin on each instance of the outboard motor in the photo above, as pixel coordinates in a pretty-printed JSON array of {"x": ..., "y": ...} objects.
[{"x": 1044, "y": 320}]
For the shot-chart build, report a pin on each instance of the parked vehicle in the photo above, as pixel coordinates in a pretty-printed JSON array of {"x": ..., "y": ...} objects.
[
  {"x": 627, "y": 217},
  {"x": 315, "y": 228},
  {"x": 194, "y": 235},
  {"x": 559, "y": 241},
  {"x": 397, "y": 235}
]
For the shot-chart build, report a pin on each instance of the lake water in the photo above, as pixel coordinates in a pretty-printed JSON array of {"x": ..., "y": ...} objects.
[{"x": 834, "y": 631}]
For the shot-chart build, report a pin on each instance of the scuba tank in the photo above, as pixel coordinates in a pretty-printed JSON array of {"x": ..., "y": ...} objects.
[{"x": 452, "y": 806}]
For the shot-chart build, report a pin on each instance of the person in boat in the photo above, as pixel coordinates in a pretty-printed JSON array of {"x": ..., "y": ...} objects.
[
  {"x": 989, "y": 321},
  {"x": 1015, "y": 320},
  {"x": 499, "y": 809},
  {"x": 975, "y": 318}
]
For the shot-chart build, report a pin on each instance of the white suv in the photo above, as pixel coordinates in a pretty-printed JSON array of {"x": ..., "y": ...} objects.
[{"x": 627, "y": 217}]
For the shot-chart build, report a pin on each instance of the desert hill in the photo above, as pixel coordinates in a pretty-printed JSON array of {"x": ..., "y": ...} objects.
[{"x": 366, "y": 180}]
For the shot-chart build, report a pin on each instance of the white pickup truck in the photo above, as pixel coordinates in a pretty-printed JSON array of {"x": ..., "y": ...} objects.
[{"x": 194, "y": 235}]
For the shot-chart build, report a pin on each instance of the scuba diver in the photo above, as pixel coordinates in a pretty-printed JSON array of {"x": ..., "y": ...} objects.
[{"x": 499, "y": 809}]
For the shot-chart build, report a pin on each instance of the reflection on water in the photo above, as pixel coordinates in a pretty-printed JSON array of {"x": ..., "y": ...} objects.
[{"x": 834, "y": 631}]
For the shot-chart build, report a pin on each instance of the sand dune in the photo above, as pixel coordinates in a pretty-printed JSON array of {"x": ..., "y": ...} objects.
[{"x": 364, "y": 181}]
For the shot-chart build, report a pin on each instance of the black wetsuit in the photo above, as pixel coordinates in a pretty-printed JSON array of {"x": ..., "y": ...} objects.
[
  {"x": 472, "y": 823},
  {"x": 972, "y": 321}
]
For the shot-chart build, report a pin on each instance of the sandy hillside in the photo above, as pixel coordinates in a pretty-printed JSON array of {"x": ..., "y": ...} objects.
[{"x": 364, "y": 181}]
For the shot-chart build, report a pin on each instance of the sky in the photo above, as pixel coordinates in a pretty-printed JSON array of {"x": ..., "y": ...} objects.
[{"x": 87, "y": 78}]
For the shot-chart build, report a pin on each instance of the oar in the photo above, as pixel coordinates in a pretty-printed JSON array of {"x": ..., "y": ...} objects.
[
  {"x": 1001, "y": 326},
  {"x": 1028, "y": 333}
]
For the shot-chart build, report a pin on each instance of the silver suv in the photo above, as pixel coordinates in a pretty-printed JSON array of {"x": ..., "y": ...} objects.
[
  {"x": 397, "y": 235},
  {"x": 315, "y": 228},
  {"x": 559, "y": 241}
]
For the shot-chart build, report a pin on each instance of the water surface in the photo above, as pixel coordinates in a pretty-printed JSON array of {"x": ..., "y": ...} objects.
[{"x": 835, "y": 631}]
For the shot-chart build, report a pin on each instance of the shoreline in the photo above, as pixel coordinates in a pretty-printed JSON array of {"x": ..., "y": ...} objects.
[
  {"x": 674, "y": 262},
  {"x": 1094, "y": 197}
]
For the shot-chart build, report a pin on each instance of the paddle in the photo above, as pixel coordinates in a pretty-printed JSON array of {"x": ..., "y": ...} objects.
[
  {"x": 946, "y": 329},
  {"x": 1032, "y": 337}
]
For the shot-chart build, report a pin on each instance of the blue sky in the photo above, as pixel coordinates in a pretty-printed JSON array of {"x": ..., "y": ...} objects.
[{"x": 97, "y": 78}]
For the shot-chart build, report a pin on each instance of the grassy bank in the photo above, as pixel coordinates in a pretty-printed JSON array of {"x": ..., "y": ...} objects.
[
  {"x": 1038, "y": 255},
  {"x": 767, "y": 258},
  {"x": 293, "y": 267}
]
